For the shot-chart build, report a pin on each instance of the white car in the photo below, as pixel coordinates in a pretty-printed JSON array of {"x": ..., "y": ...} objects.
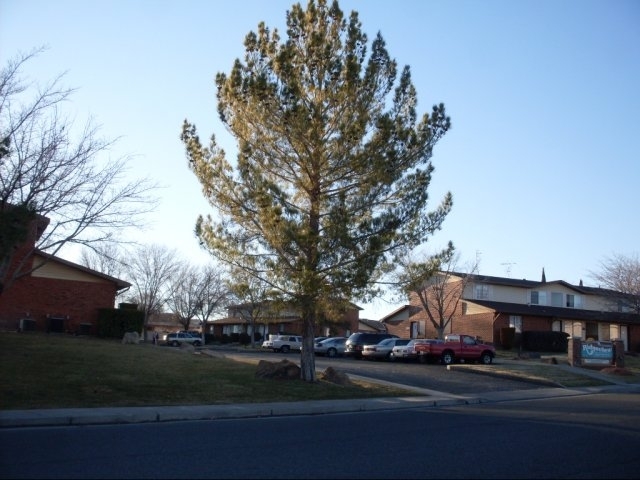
[
  {"x": 330, "y": 347},
  {"x": 407, "y": 352},
  {"x": 283, "y": 343},
  {"x": 175, "y": 339},
  {"x": 383, "y": 349}
]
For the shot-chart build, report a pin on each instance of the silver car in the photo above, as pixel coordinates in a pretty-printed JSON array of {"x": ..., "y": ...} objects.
[
  {"x": 382, "y": 350},
  {"x": 330, "y": 347},
  {"x": 407, "y": 352}
]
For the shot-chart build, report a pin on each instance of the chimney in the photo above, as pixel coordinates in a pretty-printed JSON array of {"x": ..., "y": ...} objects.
[{"x": 544, "y": 277}]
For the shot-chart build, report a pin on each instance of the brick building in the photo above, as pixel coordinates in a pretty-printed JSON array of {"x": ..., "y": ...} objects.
[
  {"x": 487, "y": 304},
  {"x": 272, "y": 320},
  {"x": 52, "y": 294}
]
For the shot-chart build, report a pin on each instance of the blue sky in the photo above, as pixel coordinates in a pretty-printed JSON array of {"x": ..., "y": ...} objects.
[{"x": 544, "y": 97}]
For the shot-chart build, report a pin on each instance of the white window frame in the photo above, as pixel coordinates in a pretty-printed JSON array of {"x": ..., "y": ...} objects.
[
  {"x": 515, "y": 321},
  {"x": 482, "y": 291},
  {"x": 542, "y": 297}
]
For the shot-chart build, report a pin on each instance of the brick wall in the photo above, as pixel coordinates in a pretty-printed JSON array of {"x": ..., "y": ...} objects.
[{"x": 36, "y": 297}]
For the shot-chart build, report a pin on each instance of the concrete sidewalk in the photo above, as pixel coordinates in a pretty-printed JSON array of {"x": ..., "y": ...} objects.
[{"x": 427, "y": 399}]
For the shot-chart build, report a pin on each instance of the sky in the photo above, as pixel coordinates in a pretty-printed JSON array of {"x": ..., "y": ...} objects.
[{"x": 542, "y": 158}]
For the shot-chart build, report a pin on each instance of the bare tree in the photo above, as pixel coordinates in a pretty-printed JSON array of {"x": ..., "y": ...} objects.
[
  {"x": 184, "y": 295},
  {"x": 106, "y": 258},
  {"x": 197, "y": 293},
  {"x": 621, "y": 275},
  {"x": 252, "y": 295},
  {"x": 215, "y": 293},
  {"x": 436, "y": 281},
  {"x": 151, "y": 270},
  {"x": 51, "y": 171}
]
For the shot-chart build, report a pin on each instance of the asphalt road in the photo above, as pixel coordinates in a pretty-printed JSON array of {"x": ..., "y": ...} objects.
[
  {"x": 589, "y": 436},
  {"x": 432, "y": 377}
]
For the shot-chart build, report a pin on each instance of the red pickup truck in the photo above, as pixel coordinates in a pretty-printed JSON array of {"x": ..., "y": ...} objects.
[{"x": 456, "y": 347}]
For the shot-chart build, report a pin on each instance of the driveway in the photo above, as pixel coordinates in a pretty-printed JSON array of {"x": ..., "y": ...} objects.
[{"x": 431, "y": 377}]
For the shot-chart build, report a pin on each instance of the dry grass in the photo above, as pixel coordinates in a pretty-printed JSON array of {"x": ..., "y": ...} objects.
[
  {"x": 535, "y": 369},
  {"x": 60, "y": 371}
]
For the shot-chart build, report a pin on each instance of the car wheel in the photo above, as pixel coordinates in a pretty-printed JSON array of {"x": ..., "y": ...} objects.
[
  {"x": 174, "y": 344},
  {"x": 197, "y": 343},
  {"x": 486, "y": 359},
  {"x": 332, "y": 352},
  {"x": 284, "y": 349},
  {"x": 447, "y": 358}
]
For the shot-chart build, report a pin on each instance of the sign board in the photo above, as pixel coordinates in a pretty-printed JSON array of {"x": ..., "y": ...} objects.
[{"x": 597, "y": 353}]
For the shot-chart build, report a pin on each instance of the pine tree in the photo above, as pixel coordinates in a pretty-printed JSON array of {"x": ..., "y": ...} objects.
[{"x": 333, "y": 164}]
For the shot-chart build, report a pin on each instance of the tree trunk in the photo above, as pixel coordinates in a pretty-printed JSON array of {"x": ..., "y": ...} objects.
[{"x": 308, "y": 358}]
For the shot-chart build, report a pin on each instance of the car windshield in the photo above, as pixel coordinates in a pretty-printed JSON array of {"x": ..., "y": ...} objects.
[{"x": 386, "y": 341}]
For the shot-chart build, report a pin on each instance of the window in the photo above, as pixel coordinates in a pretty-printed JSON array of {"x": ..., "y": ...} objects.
[
  {"x": 556, "y": 299},
  {"x": 482, "y": 292},
  {"x": 574, "y": 301},
  {"x": 515, "y": 321},
  {"x": 468, "y": 341},
  {"x": 538, "y": 298}
]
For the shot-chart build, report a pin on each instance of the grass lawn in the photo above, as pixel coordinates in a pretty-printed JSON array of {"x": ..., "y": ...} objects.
[
  {"x": 61, "y": 371},
  {"x": 536, "y": 369}
]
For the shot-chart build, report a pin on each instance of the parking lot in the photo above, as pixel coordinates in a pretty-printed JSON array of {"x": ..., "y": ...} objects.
[{"x": 412, "y": 374}]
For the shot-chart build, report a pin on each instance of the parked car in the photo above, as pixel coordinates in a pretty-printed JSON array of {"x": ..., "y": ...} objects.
[
  {"x": 283, "y": 343},
  {"x": 408, "y": 352},
  {"x": 330, "y": 347},
  {"x": 175, "y": 339},
  {"x": 357, "y": 341},
  {"x": 382, "y": 350}
]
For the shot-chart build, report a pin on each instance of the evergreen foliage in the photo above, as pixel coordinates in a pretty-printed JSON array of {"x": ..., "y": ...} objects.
[{"x": 330, "y": 181}]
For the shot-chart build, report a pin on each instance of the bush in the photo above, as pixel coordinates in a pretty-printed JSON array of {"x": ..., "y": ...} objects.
[
  {"x": 115, "y": 322},
  {"x": 545, "y": 341},
  {"x": 244, "y": 339}
]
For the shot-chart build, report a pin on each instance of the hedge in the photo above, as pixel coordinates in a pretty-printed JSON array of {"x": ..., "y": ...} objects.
[
  {"x": 545, "y": 341},
  {"x": 115, "y": 322}
]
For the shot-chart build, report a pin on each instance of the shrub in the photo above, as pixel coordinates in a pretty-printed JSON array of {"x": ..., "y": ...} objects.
[
  {"x": 244, "y": 339},
  {"x": 115, "y": 322},
  {"x": 545, "y": 341}
]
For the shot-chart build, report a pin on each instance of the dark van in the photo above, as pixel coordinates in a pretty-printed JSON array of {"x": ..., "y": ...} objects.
[{"x": 356, "y": 342}]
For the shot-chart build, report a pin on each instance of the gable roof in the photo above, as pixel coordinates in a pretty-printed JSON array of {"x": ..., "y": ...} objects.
[
  {"x": 375, "y": 324},
  {"x": 531, "y": 284},
  {"x": 120, "y": 284},
  {"x": 397, "y": 316}
]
